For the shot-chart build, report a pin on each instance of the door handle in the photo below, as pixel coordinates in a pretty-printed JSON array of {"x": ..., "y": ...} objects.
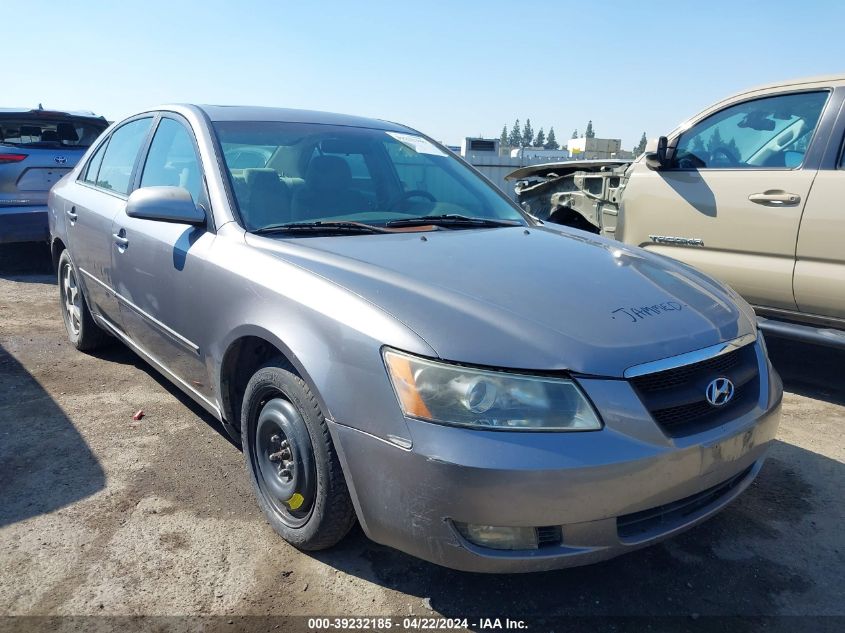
[
  {"x": 775, "y": 198},
  {"x": 71, "y": 214},
  {"x": 120, "y": 239}
]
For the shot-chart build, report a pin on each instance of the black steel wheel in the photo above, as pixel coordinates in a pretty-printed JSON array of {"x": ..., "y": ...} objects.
[{"x": 294, "y": 469}]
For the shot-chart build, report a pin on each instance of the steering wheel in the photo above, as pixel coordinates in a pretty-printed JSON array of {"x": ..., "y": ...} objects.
[
  {"x": 403, "y": 197},
  {"x": 728, "y": 158}
]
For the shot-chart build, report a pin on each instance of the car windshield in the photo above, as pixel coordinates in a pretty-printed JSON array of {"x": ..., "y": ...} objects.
[
  {"x": 49, "y": 131},
  {"x": 285, "y": 173}
]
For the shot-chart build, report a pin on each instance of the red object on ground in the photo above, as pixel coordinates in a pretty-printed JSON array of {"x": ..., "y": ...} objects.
[{"x": 138, "y": 415}]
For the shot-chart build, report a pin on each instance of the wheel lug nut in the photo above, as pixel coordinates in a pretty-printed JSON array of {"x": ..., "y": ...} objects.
[{"x": 275, "y": 439}]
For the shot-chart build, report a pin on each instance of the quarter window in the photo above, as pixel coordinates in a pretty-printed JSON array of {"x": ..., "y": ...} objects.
[
  {"x": 119, "y": 159},
  {"x": 94, "y": 164},
  {"x": 773, "y": 132},
  {"x": 172, "y": 160}
]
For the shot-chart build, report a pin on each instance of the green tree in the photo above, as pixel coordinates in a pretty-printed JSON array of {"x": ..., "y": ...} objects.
[
  {"x": 640, "y": 147},
  {"x": 590, "y": 133},
  {"x": 515, "y": 137},
  {"x": 541, "y": 138},
  {"x": 503, "y": 139},
  {"x": 551, "y": 142},
  {"x": 527, "y": 134},
  {"x": 575, "y": 133}
]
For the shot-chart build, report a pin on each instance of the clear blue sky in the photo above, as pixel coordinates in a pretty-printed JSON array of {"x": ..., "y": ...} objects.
[{"x": 451, "y": 69}]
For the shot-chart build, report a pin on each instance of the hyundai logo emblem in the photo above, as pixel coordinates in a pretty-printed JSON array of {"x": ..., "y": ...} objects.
[
  {"x": 720, "y": 392},
  {"x": 61, "y": 160}
]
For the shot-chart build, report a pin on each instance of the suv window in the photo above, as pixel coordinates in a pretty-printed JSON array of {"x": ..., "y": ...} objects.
[
  {"x": 172, "y": 160},
  {"x": 40, "y": 130},
  {"x": 119, "y": 159},
  {"x": 770, "y": 132}
]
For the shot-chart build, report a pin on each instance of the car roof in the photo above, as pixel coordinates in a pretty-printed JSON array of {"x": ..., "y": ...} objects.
[
  {"x": 260, "y": 113},
  {"x": 49, "y": 112},
  {"x": 833, "y": 80}
]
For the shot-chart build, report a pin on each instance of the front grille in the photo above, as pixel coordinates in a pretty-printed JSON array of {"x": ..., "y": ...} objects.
[
  {"x": 718, "y": 365},
  {"x": 669, "y": 516},
  {"x": 676, "y": 398}
]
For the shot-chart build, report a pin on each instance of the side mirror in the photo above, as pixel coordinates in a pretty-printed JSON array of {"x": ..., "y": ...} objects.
[
  {"x": 655, "y": 154},
  {"x": 165, "y": 204}
]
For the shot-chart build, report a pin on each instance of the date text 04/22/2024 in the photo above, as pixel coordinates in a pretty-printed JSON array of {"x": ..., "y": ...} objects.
[{"x": 414, "y": 624}]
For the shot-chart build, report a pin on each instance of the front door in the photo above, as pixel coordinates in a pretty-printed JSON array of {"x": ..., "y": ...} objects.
[
  {"x": 159, "y": 267},
  {"x": 731, "y": 202}
]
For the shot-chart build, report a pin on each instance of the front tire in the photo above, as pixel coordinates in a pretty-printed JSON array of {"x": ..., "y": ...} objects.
[
  {"x": 82, "y": 331},
  {"x": 291, "y": 460}
]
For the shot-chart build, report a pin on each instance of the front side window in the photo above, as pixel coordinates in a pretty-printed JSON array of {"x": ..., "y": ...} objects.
[
  {"x": 119, "y": 159},
  {"x": 772, "y": 132},
  {"x": 316, "y": 172},
  {"x": 172, "y": 160}
]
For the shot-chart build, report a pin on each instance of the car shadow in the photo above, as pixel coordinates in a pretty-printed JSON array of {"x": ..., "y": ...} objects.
[
  {"x": 691, "y": 187},
  {"x": 738, "y": 562},
  {"x": 813, "y": 371},
  {"x": 117, "y": 352},
  {"x": 28, "y": 261},
  {"x": 45, "y": 464}
]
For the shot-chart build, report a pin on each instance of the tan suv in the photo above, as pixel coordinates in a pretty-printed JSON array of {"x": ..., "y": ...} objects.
[{"x": 751, "y": 190}]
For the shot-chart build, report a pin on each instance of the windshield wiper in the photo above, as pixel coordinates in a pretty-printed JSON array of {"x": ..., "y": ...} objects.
[
  {"x": 321, "y": 227},
  {"x": 452, "y": 219}
]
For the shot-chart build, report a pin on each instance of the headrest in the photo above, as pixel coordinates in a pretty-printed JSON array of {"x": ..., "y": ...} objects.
[
  {"x": 263, "y": 176},
  {"x": 328, "y": 173},
  {"x": 49, "y": 135},
  {"x": 67, "y": 132}
]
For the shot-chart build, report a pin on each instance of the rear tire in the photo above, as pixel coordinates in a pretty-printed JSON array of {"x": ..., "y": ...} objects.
[
  {"x": 82, "y": 331},
  {"x": 291, "y": 460}
]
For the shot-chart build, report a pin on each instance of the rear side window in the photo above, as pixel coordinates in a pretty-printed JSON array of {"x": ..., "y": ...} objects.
[
  {"x": 119, "y": 159},
  {"x": 172, "y": 160},
  {"x": 771, "y": 132},
  {"x": 39, "y": 130},
  {"x": 94, "y": 164}
]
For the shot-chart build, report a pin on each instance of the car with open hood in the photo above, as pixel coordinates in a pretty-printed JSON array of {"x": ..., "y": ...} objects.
[{"x": 395, "y": 342}]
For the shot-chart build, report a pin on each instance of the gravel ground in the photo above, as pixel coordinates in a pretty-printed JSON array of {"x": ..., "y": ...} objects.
[{"x": 100, "y": 514}]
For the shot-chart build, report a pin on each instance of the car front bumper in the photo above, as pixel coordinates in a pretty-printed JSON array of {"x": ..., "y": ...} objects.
[
  {"x": 609, "y": 491},
  {"x": 23, "y": 224}
]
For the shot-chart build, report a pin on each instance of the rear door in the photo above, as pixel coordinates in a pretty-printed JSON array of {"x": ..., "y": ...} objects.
[
  {"x": 731, "y": 203},
  {"x": 100, "y": 194},
  {"x": 159, "y": 267},
  {"x": 820, "y": 255}
]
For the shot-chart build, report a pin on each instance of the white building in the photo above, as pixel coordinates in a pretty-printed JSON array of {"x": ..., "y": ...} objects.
[{"x": 595, "y": 148}]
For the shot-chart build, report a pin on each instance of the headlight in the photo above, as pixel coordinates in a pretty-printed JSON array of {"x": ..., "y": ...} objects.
[{"x": 478, "y": 398}]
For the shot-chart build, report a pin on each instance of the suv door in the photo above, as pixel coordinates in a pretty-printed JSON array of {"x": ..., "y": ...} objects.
[
  {"x": 731, "y": 201},
  {"x": 820, "y": 255},
  {"x": 159, "y": 267},
  {"x": 102, "y": 188}
]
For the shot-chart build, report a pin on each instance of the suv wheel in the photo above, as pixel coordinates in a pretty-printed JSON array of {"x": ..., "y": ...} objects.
[
  {"x": 292, "y": 463},
  {"x": 82, "y": 331}
]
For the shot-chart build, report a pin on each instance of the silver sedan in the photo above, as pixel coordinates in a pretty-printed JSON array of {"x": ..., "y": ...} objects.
[{"x": 392, "y": 340}]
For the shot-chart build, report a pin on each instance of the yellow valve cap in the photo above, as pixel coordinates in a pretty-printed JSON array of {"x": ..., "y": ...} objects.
[{"x": 296, "y": 501}]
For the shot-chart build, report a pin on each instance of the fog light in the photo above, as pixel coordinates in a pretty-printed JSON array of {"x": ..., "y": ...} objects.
[{"x": 498, "y": 537}]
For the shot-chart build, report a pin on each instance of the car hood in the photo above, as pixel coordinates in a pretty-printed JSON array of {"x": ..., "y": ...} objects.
[
  {"x": 537, "y": 298},
  {"x": 563, "y": 168}
]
